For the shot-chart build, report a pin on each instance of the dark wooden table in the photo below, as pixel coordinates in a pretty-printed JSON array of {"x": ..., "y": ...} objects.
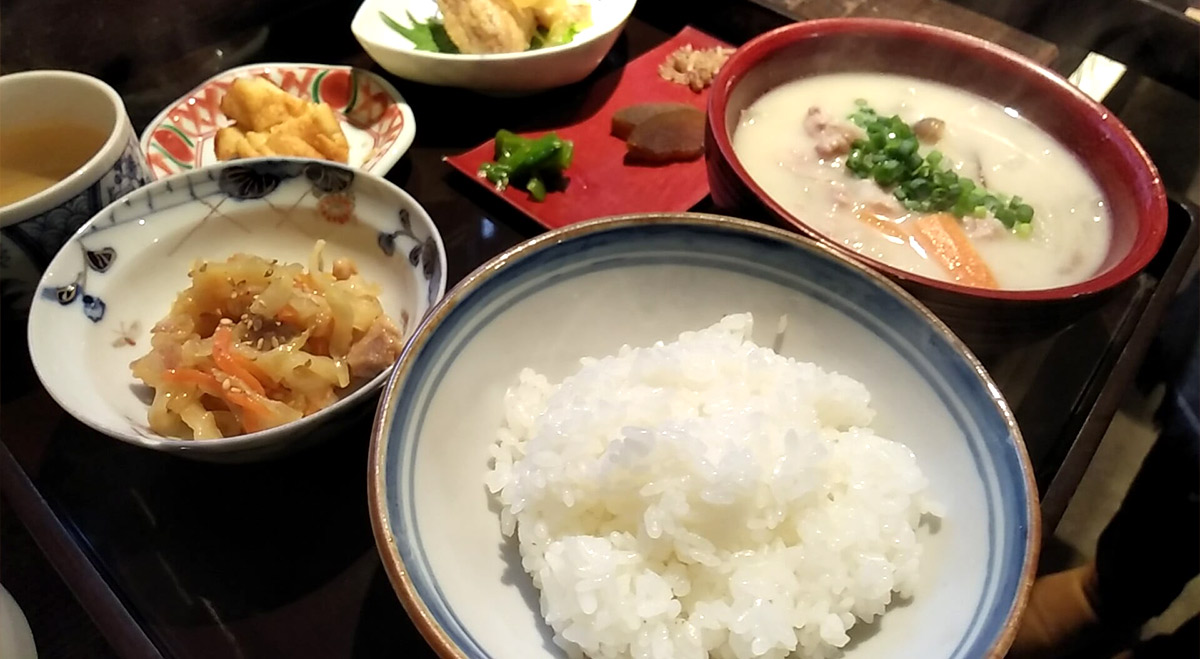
[{"x": 180, "y": 559}]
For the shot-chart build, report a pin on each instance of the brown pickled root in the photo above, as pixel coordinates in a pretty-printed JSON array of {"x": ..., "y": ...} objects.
[
  {"x": 625, "y": 119},
  {"x": 668, "y": 137}
]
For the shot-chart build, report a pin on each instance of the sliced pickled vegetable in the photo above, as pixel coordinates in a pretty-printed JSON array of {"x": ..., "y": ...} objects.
[
  {"x": 672, "y": 136},
  {"x": 625, "y": 119}
]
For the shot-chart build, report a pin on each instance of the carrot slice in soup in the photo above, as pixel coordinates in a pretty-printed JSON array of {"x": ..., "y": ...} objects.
[{"x": 943, "y": 238}]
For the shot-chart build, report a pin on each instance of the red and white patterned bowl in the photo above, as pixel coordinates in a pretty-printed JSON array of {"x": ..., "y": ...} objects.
[{"x": 377, "y": 121}]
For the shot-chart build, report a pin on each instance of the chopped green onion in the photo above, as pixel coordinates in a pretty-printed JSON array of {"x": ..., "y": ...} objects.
[{"x": 889, "y": 155}]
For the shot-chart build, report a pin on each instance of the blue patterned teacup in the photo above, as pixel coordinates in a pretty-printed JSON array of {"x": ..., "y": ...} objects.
[{"x": 34, "y": 228}]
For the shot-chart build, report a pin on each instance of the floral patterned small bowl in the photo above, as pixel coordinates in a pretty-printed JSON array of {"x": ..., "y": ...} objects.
[
  {"x": 117, "y": 277},
  {"x": 378, "y": 123}
]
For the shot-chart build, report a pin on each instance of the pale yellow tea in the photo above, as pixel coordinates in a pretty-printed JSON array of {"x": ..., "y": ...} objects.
[{"x": 35, "y": 156}]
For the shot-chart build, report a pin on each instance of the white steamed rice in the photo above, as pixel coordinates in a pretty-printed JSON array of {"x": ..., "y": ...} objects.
[{"x": 706, "y": 497}]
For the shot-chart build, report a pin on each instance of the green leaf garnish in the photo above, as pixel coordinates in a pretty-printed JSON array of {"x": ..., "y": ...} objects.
[{"x": 429, "y": 36}]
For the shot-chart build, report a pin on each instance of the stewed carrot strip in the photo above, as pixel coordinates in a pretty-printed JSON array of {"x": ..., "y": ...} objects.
[
  {"x": 254, "y": 413},
  {"x": 205, "y": 381},
  {"x": 942, "y": 237},
  {"x": 287, "y": 314},
  {"x": 317, "y": 345},
  {"x": 256, "y": 371},
  {"x": 232, "y": 363}
]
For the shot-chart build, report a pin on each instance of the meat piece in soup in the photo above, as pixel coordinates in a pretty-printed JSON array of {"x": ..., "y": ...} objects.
[{"x": 927, "y": 178}]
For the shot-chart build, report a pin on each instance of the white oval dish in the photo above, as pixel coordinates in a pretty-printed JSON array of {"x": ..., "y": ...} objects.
[
  {"x": 377, "y": 122},
  {"x": 119, "y": 274},
  {"x": 524, "y": 72}
]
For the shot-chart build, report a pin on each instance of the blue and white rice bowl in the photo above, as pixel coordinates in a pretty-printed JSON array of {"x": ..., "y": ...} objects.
[
  {"x": 120, "y": 273},
  {"x": 588, "y": 289}
]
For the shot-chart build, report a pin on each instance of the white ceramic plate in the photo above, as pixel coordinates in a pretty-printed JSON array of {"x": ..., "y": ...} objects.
[
  {"x": 528, "y": 71},
  {"x": 378, "y": 123},
  {"x": 16, "y": 639},
  {"x": 120, "y": 273}
]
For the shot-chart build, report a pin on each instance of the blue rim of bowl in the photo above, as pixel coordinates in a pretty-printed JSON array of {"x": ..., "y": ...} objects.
[
  {"x": 186, "y": 179},
  {"x": 442, "y": 641}
]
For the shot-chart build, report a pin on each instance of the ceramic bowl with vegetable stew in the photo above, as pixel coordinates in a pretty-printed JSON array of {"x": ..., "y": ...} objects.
[
  {"x": 1089, "y": 138},
  {"x": 118, "y": 280}
]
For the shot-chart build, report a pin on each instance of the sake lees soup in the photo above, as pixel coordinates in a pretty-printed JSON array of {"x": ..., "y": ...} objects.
[{"x": 1027, "y": 214}]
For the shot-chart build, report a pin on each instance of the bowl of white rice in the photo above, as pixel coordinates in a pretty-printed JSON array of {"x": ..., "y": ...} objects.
[{"x": 689, "y": 436}]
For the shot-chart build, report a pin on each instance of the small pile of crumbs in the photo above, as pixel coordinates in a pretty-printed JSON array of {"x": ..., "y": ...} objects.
[{"x": 694, "y": 68}]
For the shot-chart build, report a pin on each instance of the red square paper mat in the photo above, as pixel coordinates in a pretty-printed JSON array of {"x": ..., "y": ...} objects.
[{"x": 600, "y": 182}]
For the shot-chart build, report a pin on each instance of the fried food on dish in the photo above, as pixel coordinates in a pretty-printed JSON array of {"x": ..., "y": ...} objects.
[
  {"x": 231, "y": 143},
  {"x": 487, "y": 26},
  {"x": 478, "y": 27},
  {"x": 270, "y": 122},
  {"x": 558, "y": 19},
  {"x": 320, "y": 128},
  {"x": 255, "y": 104}
]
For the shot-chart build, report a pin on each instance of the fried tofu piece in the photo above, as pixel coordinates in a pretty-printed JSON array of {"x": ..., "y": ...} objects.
[
  {"x": 256, "y": 105},
  {"x": 227, "y": 143},
  {"x": 287, "y": 144},
  {"x": 270, "y": 122},
  {"x": 231, "y": 144},
  {"x": 319, "y": 128}
]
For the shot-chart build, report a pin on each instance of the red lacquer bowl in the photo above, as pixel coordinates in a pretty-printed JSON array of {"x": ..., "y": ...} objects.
[{"x": 1097, "y": 138}]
